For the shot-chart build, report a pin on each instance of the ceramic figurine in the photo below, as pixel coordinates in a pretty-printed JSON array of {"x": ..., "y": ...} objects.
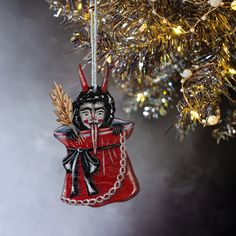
[{"x": 98, "y": 168}]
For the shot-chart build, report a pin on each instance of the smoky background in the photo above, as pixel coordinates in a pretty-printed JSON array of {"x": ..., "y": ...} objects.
[{"x": 187, "y": 188}]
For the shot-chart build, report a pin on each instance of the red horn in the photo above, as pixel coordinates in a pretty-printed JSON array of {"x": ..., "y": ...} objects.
[
  {"x": 106, "y": 77},
  {"x": 83, "y": 80}
]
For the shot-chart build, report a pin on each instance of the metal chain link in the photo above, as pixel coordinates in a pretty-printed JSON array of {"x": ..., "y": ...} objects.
[{"x": 112, "y": 190}]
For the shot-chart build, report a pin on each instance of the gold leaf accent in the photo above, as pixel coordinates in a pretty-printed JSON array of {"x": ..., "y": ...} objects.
[{"x": 62, "y": 104}]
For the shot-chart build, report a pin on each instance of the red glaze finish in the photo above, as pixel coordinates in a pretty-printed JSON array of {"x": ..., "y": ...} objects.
[{"x": 105, "y": 177}]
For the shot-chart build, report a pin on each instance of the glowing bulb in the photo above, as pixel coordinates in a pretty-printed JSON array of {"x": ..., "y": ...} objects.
[
  {"x": 164, "y": 21},
  {"x": 178, "y": 30},
  {"x": 192, "y": 30},
  {"x": 179, "y": 49},
  {"x": 232, "y": 71},
  {"x": 109, "y": 59},
  {"x": 140, "y": 97},
  {"x": 194, "y": 115},
  {"x": 145, "y": 113},
  {"x": 233, "y": 5},
  {"x": 79, "y": 6}
]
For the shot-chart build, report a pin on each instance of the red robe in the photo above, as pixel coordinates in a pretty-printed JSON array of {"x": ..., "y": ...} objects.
[{"x": 109, "y": 167}]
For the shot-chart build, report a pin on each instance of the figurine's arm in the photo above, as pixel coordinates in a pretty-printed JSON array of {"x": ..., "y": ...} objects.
[
  {"x": 66, "y": 131},
  {"x": 119, "y": 125},
  {"x": 117, "y": 128}
]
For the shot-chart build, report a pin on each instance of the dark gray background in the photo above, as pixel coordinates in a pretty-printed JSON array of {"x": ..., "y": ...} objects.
[{"x": 186, "y": 187}]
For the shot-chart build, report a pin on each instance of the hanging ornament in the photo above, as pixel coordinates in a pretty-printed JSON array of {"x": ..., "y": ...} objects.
[{"x": 98, "y": 169}]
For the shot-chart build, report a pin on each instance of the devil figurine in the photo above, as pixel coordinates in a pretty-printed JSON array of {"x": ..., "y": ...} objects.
[{"x": 98, "y": 168}]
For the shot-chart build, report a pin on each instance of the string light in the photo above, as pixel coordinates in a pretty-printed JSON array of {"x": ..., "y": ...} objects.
[
  {"x": 232, "y": 71},
  {"x": 233, "y": 5},
  {"x": 178, "y": 30},
  {"x": 162, "y": 51}
]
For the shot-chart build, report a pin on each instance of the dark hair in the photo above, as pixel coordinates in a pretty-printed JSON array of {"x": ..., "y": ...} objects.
[{"x": 93, "y": 97}]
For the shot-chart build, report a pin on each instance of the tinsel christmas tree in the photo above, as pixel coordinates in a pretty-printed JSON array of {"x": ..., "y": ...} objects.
[{"x": 165, "y": 53}]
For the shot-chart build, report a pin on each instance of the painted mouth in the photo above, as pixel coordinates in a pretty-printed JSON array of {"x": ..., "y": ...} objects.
[{"x": 93, "y": 123}]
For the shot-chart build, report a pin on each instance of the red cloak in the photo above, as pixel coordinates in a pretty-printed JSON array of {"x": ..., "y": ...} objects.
[{"x": 109, "y": 156}]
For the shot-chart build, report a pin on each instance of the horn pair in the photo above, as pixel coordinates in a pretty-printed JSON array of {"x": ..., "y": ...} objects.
[{"x": 84, "y": 82}]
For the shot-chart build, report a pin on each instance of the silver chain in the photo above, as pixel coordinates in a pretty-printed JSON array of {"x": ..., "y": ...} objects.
[{"x": 112, "y": 190}]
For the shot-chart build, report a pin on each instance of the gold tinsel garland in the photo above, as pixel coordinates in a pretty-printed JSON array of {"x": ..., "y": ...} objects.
[{"x": 160, "y": 50}]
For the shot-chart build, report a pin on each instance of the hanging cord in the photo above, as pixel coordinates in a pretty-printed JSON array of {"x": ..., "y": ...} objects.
[{"x": 93, "y": 37}]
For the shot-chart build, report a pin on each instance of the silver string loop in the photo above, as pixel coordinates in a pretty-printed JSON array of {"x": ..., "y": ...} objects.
[{"x": 93, "y": 40}]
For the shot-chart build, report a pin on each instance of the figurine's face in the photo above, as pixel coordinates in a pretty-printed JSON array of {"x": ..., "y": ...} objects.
[{"x": 92, "y": 114}]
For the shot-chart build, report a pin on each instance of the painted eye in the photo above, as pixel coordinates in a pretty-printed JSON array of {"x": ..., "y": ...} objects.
[
  {"x": 99, "y": 113},
  {"x": 85, "y": 113}
]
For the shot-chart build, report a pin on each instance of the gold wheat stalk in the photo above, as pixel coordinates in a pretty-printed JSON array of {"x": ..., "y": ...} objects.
[{"x": 63, "y": 107}]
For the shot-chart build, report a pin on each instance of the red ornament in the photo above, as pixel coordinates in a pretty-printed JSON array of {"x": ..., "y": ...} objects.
[{"x": 98, "y": 168}]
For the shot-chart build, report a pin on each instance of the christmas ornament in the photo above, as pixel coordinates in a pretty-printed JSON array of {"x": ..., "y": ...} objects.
[{"x": 98, "y": 169}]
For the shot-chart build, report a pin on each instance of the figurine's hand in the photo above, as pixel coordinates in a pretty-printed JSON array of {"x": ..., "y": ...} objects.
[
  {"x": 117, "y": 128},
  {"x": 70, "y": 134}
]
